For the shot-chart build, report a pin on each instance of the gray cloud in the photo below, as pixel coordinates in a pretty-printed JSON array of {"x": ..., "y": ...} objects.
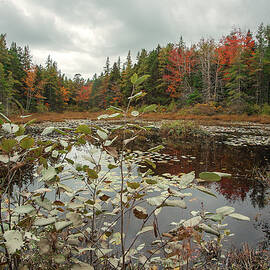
[{"x": 81, "y": 34}]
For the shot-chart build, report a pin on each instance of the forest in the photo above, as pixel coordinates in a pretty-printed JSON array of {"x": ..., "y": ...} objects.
[{"x": 231, "y": 75}]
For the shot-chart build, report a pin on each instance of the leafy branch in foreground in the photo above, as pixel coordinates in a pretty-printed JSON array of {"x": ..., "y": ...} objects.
[{"x": 89, "y": 198}]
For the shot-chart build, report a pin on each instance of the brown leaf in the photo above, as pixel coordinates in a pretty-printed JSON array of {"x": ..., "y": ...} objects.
[
  {"x": 155, "y": 229},
  {"x": 104, "y": 197},
  {"x": 59, "y": 203},
  {"x": 111, "y": 151},
  {"x": 140, "y": 212}
]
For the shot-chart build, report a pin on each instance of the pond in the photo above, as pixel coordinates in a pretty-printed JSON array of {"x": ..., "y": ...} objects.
[{"x": 243, "y": 191}]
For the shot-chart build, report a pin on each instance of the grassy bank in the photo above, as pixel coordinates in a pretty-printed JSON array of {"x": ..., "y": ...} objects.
[{"x": 209, "y": 119}]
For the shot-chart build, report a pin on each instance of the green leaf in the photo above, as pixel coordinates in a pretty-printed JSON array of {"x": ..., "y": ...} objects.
[
  {"x": 239, "y": 216},
  {"x": 134, "y": 113},
  {"x": 65, "y": 188},
  {"x": 70, "y": 161},
  {"x": 140, "y": 212},
  {"x": 27, "y": 143},
  {"x": 8, "y": 144},
  {"x": 14, "y": 241},
  {"x": 45, "y": 203},
  {"x": 103, "y": 116},
  {"x": 114, "y": 115},
  {"x": 47, "y": 131},
  {"x": 149, "y": 162},
  {"x": 133, "y": 185},
  {"x": 10, "y": 128},
  {"x": 102, "y": 135},
  {"x": 60, "y": 131},
  {"x": 176, "y": 203},
  {"x": 55, "y": 154},
  {"x": 113, "y": 108},
  {"x": 156, "y": 148},
  {"x": 216, "y": 217},
  {"x": 208, "y": 229},
  {"x": 210, "y": 176},
  {"x": 187, "y": 179},
  {"x": 116, "y": 238},
  {"x": 4, "y": 158},
  {"x": 3, "y": 116},
  {"x": 75, "y": 218},
  {"x": 226, "y": 175},
  {"x": 145, "y": 229},
  {"x": 21, "y": 131},
  {"x": 225, "y": 210},
  {"x": 48, "y": 174},
  {"x": 129, "y": 140},
  {"x": 192, "y": 222},
  {"x": 111, "y": 166},
  {"x": 150, "y": 181},
  {"x": 83, "y": 129},
  {"x": 62, "y": 225},
  {"x": 44, "y": 221},
  {"x": 140, "y": 94},
  {"x": 30, "y": 122},
  {"x": 155, "y": 201},
  {"x": 134, "y": 78},
  {"x": 150, "y": 108},
  {"x": 24, "y": 209},
  {"x": 141, "y": 79},
  {"x": 91, "y": 173},
  {"x": 64, "y": 143}
]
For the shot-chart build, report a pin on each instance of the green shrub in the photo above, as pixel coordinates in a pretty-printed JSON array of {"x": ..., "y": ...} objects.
[
  {"x": 266, "y": 109},
  {"x": 194, "y": 97},
  {"x": 172, "y": 107},
  {"x": 251, "y": 109},
  {"x": 40, "y": 108}
]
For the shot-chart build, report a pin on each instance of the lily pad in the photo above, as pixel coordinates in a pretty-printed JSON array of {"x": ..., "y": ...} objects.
[{"x": 210, "y": 176}]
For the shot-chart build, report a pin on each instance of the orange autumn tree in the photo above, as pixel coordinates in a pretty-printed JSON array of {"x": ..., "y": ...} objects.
[
  {"x": 32, "y": 87},
  {"x": 65, "y": 94},
  {"x": 181, "y": 62},
  {"x": 84, "y": 94}
]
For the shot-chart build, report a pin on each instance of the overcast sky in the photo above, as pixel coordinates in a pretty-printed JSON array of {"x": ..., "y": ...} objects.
[{"x": 80, "y": 34}]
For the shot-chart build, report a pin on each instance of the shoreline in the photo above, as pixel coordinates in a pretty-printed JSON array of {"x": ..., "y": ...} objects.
[{"x": 209, "y": 119}]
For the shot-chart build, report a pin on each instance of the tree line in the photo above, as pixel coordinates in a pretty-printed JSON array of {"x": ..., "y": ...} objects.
[{"x": 233, "y": 72}]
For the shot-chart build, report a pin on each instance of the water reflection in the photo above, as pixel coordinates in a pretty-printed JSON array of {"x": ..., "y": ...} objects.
[
  {"x": 242, "y": 191},
  {"x": 210, "y": 155}
]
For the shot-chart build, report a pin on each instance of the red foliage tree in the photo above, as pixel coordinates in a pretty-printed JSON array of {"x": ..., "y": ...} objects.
[
  {"x": 232, "y": 46},
  {"x": 181, "y": 63},
  {"x": 84, "y": 93}
]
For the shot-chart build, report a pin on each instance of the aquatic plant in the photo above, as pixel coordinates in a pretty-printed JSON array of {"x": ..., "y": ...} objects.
[{"x": 88, "y": 225}]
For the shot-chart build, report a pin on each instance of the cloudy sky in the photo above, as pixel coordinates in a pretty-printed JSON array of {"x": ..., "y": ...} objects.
[{"x": 80, "y": 34}]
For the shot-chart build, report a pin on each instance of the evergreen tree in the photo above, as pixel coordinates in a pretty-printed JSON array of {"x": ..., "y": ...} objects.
[{"x": 126, "y": 86}]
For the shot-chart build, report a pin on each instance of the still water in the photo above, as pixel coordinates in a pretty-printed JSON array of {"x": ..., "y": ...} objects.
[{"x": 243, "y": 190}]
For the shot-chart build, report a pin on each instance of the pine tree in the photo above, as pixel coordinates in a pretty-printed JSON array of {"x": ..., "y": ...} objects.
[{"x": 126, "y": 86}]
